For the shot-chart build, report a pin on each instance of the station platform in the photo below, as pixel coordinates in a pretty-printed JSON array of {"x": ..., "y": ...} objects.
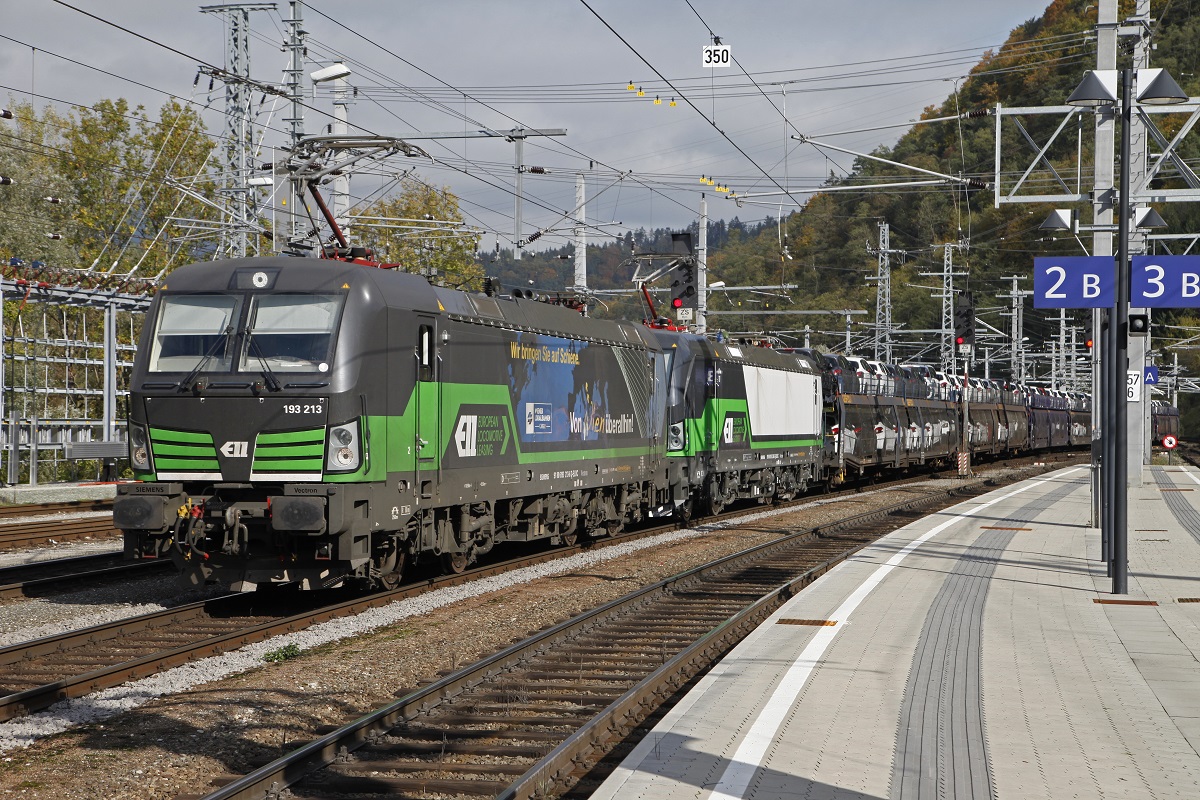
[
  {"x": 57, "y": 492},
  {"x": 975, "y": 653}
]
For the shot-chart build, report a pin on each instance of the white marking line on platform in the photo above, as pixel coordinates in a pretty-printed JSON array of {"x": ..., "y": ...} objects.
[
  {"x": 750, "y": 754},
  {"x": 1191, "y": 475}
]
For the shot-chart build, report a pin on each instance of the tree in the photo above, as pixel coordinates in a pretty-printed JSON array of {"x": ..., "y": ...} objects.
[
  {"x": 421, "y": 229},
  {"x": 28, "y": 157},
  {"x": 132, "y": 176}
]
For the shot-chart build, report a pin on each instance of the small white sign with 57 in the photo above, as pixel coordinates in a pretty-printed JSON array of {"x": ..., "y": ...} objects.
[{"x": 1133, "y": 386}]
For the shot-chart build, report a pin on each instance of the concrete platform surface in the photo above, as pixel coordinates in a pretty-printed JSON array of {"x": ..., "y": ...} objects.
[
  {"x": 57, "y": 492},
  {"x": 975, "y": 653}
]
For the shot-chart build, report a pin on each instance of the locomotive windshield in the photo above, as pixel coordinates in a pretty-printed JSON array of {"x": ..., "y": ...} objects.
[
  {"x": 290, "y": 332},
  {"x": 280, "y": 332},
  {"x": 192, "y": 329}
]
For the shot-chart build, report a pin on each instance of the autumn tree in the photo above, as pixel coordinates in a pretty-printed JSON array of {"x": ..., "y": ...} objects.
[
  {"x": 422, "y": 229},
  {"x": 39, "y": 200}
]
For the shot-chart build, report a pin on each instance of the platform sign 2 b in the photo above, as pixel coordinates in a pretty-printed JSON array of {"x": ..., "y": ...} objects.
[{"x": 1074, "y": 282}]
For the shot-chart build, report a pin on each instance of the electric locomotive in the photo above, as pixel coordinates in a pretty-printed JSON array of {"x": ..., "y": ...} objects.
[
  {"x": 320, "y": 422},
  {"x": 745, "y": 422}
]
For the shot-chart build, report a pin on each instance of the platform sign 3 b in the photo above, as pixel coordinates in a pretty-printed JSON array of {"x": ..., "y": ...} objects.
[
  {"x": 1074, "y": 282},
  {"x": 1165, "y": 282}
]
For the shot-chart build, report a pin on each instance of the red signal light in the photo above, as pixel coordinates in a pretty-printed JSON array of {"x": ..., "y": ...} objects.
[
  {"x": 1089, "y": 344},
  {"x": 959, "y": 340},
  {"x": 677, "y": 302}
]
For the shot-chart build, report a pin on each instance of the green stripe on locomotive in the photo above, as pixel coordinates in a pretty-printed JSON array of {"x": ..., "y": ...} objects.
[{"x": 389, "y": 441}]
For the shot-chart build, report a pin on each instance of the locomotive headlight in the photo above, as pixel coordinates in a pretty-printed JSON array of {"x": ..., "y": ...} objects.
[
  {"x": 342, "y": 451},
  {"x": 139, "y": 447},
  {"x": 675, "y": 437}
]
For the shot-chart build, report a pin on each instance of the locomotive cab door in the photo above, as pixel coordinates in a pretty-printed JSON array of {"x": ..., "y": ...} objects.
[{"x": 428, "y": 410}]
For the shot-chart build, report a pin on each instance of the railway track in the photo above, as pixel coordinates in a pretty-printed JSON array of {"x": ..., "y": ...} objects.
[
  {"x": 535, "y": 719},
  {"x": 41, "y": 578},
  {"x": 55, "y": 528},
  {"x": 38, "y": 673},
  {"x": 31, "y": 510}
]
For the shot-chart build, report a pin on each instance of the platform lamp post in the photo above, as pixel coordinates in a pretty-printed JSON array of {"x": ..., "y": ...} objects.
[{"x": 1099, "y": 88}]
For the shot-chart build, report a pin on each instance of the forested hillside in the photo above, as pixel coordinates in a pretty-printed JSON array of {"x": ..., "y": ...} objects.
[{"x": 1042, "y": 62}]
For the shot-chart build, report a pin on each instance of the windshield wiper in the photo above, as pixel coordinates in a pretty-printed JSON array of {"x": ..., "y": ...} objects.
[
  {"x": 268, "y": 375},
  {"x": 186, "y": 384}
]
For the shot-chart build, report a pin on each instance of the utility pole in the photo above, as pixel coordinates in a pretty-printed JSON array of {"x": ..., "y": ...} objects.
[
  {"x": 1103, "y": 362},
  {"x": 883, "y": 295},
  {"x": 518, "y": 137},
  {"x": 1017, "y": 326},
  {"x": 239, "y": 141},
  {"x": 295, "y": 92},
  {"x": 341, "y": 127},
  {"x": 519, "y": 156},
  {"x": 581, "y": 236},
  {"x": 947, "y": 296},
  {"x": 1074, "y": 358},
  {"x": 1138, "y": 420},
  {"x": 702, "y": 268},
  {"x": 1062, "y": 344}
]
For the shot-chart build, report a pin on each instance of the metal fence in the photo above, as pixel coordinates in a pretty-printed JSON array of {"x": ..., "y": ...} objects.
[{"x": 65, "y": 359}]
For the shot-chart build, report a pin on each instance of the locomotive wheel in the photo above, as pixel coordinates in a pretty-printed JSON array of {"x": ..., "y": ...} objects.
[
  {"x": 391, "y": 580},
  {"x": 454, "y": 563},
  {"x": 684, "y": 513},
  {"x": 715, "y": 505}
]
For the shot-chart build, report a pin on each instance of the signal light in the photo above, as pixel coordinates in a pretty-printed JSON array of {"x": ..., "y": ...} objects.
[
  {"x": 1089, "y": 344},
  {"x": 683, "y": 283},
  {"x": 964, "y": 319}
]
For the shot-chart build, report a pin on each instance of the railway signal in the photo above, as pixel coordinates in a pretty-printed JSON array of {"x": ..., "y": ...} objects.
[
  {"x": 964, "y": 319},
  {"x": 683, "y": 285}
]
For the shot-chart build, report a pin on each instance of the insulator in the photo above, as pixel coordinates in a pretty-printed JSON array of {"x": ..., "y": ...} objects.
[
  {"x": 975, "y": 183},
  {"x": 5, "y": 113},
  {"x": 976, "y": 113},
  {"x": 534, "y": 236},
  {"x": 5, "y": 180},
  {"x": 54, "y": 200},
  {"x": 53, "y": 235},
  {"x": 537, "y": 170}
]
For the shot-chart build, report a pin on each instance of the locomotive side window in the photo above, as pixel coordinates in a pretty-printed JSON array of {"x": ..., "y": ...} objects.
[
  {"x": 194, "y": 329},
  {"x": 425, "y": 353},
  {"x": 291, "y": 332}
]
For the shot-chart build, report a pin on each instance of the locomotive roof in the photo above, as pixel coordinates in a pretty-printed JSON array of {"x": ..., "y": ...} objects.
[
  {"x": 403, "y": 290},
  {"x": 303, "y": 275}
]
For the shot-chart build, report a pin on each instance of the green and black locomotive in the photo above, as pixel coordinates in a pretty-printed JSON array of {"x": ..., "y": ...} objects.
[
  {"x": 322, "y": 422},
  {"x": 318, "y": 421}
]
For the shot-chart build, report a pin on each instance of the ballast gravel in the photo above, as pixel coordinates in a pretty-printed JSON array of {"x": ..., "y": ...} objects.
[{"x": 171, "y": 733}]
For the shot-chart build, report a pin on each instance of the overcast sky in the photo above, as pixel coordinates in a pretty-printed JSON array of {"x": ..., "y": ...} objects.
[{"x": 550, "y": 64}]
